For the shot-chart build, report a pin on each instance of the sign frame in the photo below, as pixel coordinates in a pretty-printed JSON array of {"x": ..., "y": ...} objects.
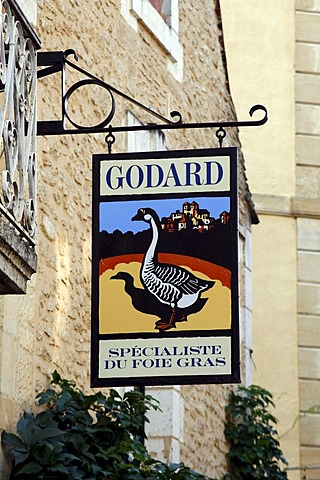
[{"x": 97, "y": 339}]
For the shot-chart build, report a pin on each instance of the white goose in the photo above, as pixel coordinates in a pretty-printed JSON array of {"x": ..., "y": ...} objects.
[{"x": 170, "y": 284}]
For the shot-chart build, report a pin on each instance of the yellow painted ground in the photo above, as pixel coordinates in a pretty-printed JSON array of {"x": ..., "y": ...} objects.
[{"x": 117, "y": 315}]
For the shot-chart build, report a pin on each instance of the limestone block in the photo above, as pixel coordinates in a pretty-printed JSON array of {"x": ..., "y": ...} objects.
[
  {"x": 309, "y": 266},
  {"x": 310, "y": 456},
  {"x": 29, "y": 8},
  {"x": 7, "y": 365},
  {"x": 48, "y": 228},
  {"x": 18, "y": 260},
  {"x": 272, "y": 204},
  {"x": 308, "y": 182},
  {"x": 248, "y": 250},
  {"x": 307, "y": 27},
  {"x": 23, "y": 378},
  {"x": 310, "y": 429},
  {"x": 306, "y": 207},
  {"x": 308, "y": 5},
  {"x": 309, "y": 363},
  {"x": 247, "y": 290},
  {"x": 307, "y": 150},
  {"x": 308, "y": 119},
  {"x": 309, "y": 394},
  {"x": 168, "y": 422},
  {"x": 5, "y": 464},
  {"x": 10, "y": 412},
  {"x": 307, "y": 87},
  {"x": 308, "y": 234},
  {"x": 307, "y": 57},
  {"x": 165, "y": 429},
  {"x": 309, "y": 331},
  {"x": 309, "y": 299},
  {"x": 165, "y": 449},
  {"x": 247, "y": 352},
  {"x": 156, "y": 448},
  {"x": 11, "y": 315}
]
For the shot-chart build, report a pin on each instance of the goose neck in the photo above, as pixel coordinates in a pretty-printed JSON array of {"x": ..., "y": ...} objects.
[{"x": 152, "y": 247}]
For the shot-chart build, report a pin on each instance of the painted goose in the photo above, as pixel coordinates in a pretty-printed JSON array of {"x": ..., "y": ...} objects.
[
  {"x": 170, "y": 284},
  {"x": 143, "y": 301}
]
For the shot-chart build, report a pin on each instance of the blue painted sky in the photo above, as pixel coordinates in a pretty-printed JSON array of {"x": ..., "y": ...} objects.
[{"x": 117, "y": 215}]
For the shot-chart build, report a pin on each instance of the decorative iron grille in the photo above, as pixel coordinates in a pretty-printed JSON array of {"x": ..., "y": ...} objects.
[{"x": 18, "y": 77}]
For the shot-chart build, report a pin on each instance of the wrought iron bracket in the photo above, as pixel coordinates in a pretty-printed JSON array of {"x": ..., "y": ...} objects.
[{"x": 53, "y": 62}]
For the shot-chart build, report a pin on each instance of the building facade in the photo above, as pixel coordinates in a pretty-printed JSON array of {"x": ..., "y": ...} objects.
[
  {"x": 279, "y": 45},
  {"x": 168, "y": 55}
]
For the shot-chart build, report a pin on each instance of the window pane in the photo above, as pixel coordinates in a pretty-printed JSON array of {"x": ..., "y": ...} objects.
[{"x": 162, "y": 7}]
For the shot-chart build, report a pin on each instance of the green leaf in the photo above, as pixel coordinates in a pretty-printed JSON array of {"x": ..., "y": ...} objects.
[
  {"x": 87, "y": 437},
  {"x": 56, "y": 378},
  {"x": 30, "y": 468},
  {"x": 17, "y": 448},
  {"x": 254, "y": 446},
  {"x": 12, "y": 440}
]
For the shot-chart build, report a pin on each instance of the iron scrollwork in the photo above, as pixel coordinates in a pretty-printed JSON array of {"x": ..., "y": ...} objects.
[
  {"x": 112, "y": 91},
  {"x": 77, "y": 86},
  {"x": 17, "y": 124},
  {"x": 57, "y": 61}
]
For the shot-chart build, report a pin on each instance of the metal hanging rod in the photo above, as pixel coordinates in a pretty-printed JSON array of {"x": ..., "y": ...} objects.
[{"x": 54, "y": 62}]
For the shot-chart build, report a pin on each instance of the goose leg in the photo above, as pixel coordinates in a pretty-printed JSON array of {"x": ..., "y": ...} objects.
[{"x": 171, "y": 324}]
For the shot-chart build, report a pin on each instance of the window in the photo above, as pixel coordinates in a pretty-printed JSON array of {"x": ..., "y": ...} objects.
[
  {"x": 161, "y": 18},
  {"x": 144, "y": 141},
  {"x": 163, "y": 7}
]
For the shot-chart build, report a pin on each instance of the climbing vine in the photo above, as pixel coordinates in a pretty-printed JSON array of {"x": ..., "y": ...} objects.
[{"x": 255, "y": 451}]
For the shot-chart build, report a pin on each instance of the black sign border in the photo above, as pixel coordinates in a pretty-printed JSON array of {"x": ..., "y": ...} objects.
[{"x": 234, "y": 377}]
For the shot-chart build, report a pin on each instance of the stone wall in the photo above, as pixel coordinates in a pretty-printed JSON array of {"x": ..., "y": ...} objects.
[
  {"x": 50, "y": 327},
  {"x": 261, "y": 69},
  {"x": 283, "y": 169},
  {"x": 308, "y": 224}
]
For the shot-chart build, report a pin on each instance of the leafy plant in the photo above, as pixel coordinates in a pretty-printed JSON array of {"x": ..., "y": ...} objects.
[
  {"x": 89, "y": 437},
  {"x": 254, "y": 447}
]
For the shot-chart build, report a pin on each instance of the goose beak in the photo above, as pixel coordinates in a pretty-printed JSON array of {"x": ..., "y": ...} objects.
[{"x": 138, "y": 216}]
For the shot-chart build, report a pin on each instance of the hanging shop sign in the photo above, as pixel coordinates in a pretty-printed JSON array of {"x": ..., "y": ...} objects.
[{"x": 165, "y": 268}]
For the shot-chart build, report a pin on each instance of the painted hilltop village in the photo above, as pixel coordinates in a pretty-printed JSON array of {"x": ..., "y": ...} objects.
[
  {"x": 190, "y": 231},
  {"x": 192, "y": 217}
]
